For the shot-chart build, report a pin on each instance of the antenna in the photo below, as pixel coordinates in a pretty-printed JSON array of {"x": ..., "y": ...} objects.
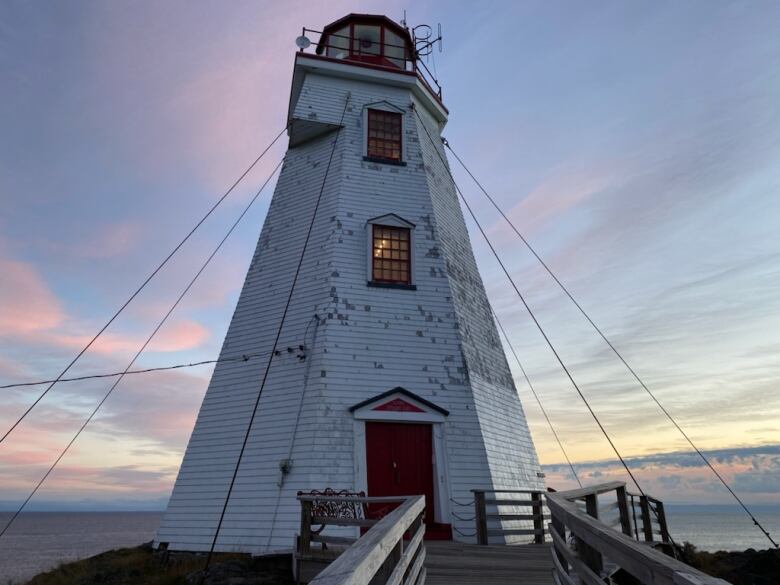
[
  {"x": 423, "y": 42},
  {"x": 423, "y": 39},
  {"x": 303, "y": 42}
]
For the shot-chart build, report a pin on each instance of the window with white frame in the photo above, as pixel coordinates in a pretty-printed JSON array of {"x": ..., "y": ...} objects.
[
  {"x": 383, "y": 135},
  {"x": 391, "y": 260},
  {"x": 390, "y": 251}
]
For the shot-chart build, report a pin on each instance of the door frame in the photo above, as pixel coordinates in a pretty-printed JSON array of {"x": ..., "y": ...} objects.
[{"x": 424, "y": 414}]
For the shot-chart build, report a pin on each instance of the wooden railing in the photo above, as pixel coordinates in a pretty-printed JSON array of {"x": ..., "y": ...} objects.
[
  {"x": 487, "y": 513},
  {"x": 587, "y": 550},
  {"x": 380, "y": 556},
  {"x": 650, "y": 513}
]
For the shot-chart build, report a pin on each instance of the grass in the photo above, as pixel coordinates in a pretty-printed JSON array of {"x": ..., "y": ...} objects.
[{"x": 143, "y": 565}]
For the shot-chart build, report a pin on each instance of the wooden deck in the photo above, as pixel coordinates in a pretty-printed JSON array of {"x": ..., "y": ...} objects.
[
  {"x": 455, "y": 563},
  {"x": 593, "y": 540}
]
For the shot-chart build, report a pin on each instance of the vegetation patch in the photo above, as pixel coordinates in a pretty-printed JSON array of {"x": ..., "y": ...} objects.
[
  {"x": 142, "y": 564},
  {"x": 749, "y": 567}
]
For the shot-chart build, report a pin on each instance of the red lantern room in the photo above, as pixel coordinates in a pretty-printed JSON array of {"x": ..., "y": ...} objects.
[{"x": 368, "y": 38}]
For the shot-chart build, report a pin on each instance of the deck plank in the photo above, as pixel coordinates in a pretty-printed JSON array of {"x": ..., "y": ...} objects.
[{"x": 455, "y": 563}]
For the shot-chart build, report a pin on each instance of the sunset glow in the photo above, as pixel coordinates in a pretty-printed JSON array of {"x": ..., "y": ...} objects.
[{"x": 638, "y": 155}]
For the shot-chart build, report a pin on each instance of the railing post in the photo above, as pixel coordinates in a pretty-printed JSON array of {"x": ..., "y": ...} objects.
[
  {"x": 625, "y": 520},
  {"x": 589, "y": 555},
  {"x": 480, "y": 516},
  {"x": 537, "y": 511},
  {"x": 592, "y": 505},
  {"x": 633, "y": 515},
  {"x": 598, "y": 546},
  {"x": 659, "y": 510},
  {"x": 560, "y": 528},
  {"x": 304, "y": 542},
  {"x": 647, "y": 522}
]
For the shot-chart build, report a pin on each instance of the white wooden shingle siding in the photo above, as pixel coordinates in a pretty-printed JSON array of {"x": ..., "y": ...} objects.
[{"x": 438, "y": 341}]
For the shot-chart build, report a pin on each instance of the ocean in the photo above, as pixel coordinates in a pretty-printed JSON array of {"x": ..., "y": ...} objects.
[
  {"x": 41, "y": 540},
  {"x": 38, "y": 541}
]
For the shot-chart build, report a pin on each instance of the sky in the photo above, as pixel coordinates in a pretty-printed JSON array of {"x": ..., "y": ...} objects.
[{"x": 636, "y": 146}]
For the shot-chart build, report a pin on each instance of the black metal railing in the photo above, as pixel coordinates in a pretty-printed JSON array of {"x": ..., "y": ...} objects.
[{"x": 379, "y": 54}]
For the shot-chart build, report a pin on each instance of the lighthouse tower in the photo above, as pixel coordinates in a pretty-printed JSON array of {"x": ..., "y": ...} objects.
[{"x": 388, "y": 375}]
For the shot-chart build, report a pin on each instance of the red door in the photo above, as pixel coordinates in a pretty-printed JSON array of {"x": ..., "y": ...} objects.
[{"x": 399, "y": 462}]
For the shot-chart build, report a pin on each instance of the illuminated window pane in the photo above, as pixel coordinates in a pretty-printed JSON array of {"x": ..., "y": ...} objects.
[{"x": 391, "y": 259}]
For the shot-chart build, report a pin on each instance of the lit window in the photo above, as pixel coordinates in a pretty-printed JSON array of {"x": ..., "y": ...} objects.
[
  {"x": 384, "y": 135},
  {"x": 390, "y": 257}
]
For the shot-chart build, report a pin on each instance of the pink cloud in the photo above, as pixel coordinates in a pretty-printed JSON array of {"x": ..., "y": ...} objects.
[
  {"x": 27, "y": 457},
  {"x": 223, "y": 130},
  {"x": 10, "y": 369},
  {"x": 180, "y": 335},
  {"x": 223, "y": 279},
  {"x": 31, "y": 312},
  {"x": 110, "y": 240},
  {"x": 214, "y": 113},
  {"x": 560, "y": 193},
  {"x": 26, "y": 303},
  {"x": 681, "y": 477}
]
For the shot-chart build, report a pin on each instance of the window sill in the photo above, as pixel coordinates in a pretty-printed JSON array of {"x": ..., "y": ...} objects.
[
  {"x": 376, "y": 284},
  {"x": 384, "y": 161}
]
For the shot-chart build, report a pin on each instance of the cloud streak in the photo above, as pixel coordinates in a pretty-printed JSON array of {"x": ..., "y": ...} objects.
[{"x": 684, "y": 477}]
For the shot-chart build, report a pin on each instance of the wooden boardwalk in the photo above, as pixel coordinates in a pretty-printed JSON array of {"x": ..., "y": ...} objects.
[
  {"x": 455, "y": 563},
  {"x": 605, "y": 544}
]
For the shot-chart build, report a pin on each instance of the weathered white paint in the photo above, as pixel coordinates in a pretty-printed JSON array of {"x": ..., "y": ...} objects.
[{"x": 438, "y": 341}]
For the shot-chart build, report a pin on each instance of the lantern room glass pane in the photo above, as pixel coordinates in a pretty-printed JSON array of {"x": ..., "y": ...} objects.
[
  {"x": 338, "y": 43},
  {"x": 395, "y": 49},
  {"x": 367, "y": 40}
]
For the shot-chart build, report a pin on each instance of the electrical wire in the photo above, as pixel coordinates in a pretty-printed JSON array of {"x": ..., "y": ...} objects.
[
  {"x": 538, "y": 401},
  {"x": 539, "y": 326},
  {"x": 140, "y": 288},
  {"x": 238, "y": 358},
  {"x": 563, "y": 365},
  {"x": 617, "y": 353},
  {"x": 140, "y": 351},
  {"x": 276, "y": 339}
]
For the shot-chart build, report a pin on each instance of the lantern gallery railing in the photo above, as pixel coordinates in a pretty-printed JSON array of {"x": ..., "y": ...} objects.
[
  {"x": 588, "y": 550},
  {"x": 380, "y": 556},
  {"x": 393, "y": 55}
]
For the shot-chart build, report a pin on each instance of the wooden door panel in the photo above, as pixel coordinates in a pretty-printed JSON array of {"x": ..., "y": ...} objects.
[{"x": 399, "y": 462}]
